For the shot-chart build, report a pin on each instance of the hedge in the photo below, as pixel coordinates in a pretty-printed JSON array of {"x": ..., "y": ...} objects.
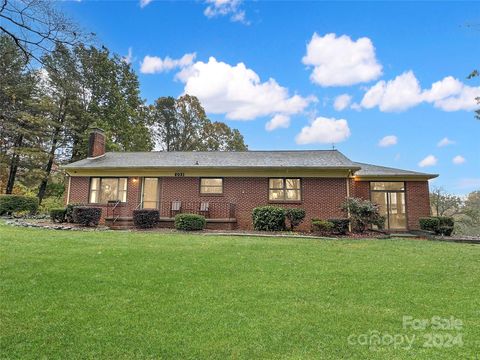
[
  {"x": 322, "y": 226},
  {"x": 146, "y": 218},
  {"x": 440, "y": 225},
  {"x": 340, "y": 226},
  {"x": 429, "y": 223},
  {"x": 69, "y": 212},
  {"x": 87, "y": 216},
  {"x": 269, "y": 218},
  {"x": 189, "y": 222},
  {"x": 10, "y": 204},
  {"x": 57, "y": 215},
  {"x": 295, "y": 216}
]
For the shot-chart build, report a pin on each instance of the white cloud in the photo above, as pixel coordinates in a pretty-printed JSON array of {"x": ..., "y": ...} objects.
[
  {"x": 388, "y": 140},
  {"x": 238, "y": 92},
  {"x": 230, "y": 8},
  {"x": 458, "y": 160},
  {"x": 398, "y": 94},
  {"x": 129, "y": 57},
  {"x": 144, "y": 3},
  {"x": 154, "y": 64},
  {"x": 278, "y": 121},
  {"x": 445, "y": 142},
  {"x": 404, "y": 92},
  {"x": 324, "y": 130},
  {"x": 430, "y": 160},
  {"x": 340, "y": 61},
  {"x": 342, "y": 102}
]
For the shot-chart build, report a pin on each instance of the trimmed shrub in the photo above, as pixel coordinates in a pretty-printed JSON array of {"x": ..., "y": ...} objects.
[
  {"x": 322, "y": 226},
  {"x": 440, "y": 225},
  {"x": 268, "y": 218},
  {"x": 69, "y": 212},
  {"x": 146, "y": 218},
  {"x": 50, "y": 203},
  {"x": 340, "y": 226},
  {"x": 189, "y": 222},
  {"x": 429, "y": 224},
  {"x": 295, "y": 216},
  {"x": 57, "y": 215},
  {"x": 10, "y": 204},
  {"x": 87, "y": 216},
  {"x": 363, "y": 214}
]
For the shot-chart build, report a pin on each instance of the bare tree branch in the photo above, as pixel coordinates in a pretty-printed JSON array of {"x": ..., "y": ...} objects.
[{"x": 37, "y": 27}]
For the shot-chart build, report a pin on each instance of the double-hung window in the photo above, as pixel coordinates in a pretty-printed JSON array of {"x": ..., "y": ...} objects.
[
  {"x": 284, "y": 189},
  {"x": 210, "y": 186},
  {"x": 103, "y": 190}
]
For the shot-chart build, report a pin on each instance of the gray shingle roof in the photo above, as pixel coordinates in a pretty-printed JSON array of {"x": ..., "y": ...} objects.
[
  {"x": 218, "y": 159},
  {"x": 376, "y": 170},
  {"x": 313, "y": 159}
]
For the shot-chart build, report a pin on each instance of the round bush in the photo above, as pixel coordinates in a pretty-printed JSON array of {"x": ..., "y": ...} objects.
[
  {"x": 69, "y": 212},
  {"x": 87, "y": 216},
  {"x": 146, "y": 218},
  {"x": 189, "y": 222},
  {"x": 10, "y": 204},
  {"x": 322, "y": 226},
  {"x": 429, "y": 223},
  {"x": 57, "y": 215},
  {"x": 269, "y": 218},
  {"x": 340, "y": 226},
  {"x": 295, "y": 216}
]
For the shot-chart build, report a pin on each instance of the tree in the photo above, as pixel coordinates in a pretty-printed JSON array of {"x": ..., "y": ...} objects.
[
  {"x": 472, "y": 207},
  {"x": 444, "y": 204},
  {"x": 36, "y": 27},
  {"x": 182, "y": 125},
  {"x": 219, "y": 136},
  {"x": 83, "y": 88},
  {"x": 19, "y": 125},
  {"x": 109, "y": 98},
  {"x": 475, "y": 73},
  {"x": 59, "y": 84}
]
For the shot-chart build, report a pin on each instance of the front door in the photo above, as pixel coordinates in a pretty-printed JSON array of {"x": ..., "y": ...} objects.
[
  {"x": 391, "y": 198},
  {"x": 150, "y": 193}
]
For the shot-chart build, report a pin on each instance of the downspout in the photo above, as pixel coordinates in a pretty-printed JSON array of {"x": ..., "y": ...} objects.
[
  {"x": 348, "y": 195},
  {"x": 68, "y": 189}
]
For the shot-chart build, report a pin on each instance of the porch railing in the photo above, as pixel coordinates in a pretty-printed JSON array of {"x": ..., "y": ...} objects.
[
  {"x": 209, "y": 209},
  {"x": 111, "y": 207}
]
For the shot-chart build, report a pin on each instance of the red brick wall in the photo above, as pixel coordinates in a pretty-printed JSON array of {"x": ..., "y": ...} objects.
[
  {"x": 96, "y": 145},
  {"x": 418, "y": 202},
  {"x": 79, "y": 193},
  {"x": 322, "y": 197},
  {"x": 361, "y": 189}
]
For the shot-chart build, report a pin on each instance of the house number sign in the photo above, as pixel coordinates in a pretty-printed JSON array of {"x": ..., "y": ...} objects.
[{"x": 179, "y": 174}]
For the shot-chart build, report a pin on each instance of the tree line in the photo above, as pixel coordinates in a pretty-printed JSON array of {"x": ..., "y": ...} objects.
[
  {"x": 46, "y": 112},
  {"x": 465, "y": 210}
]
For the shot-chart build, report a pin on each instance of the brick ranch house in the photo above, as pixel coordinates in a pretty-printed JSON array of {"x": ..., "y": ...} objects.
[{"x": 226, "y": 186}]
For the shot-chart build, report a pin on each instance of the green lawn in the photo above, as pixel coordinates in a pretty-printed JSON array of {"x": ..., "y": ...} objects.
[{"x": 124, "y": 295}]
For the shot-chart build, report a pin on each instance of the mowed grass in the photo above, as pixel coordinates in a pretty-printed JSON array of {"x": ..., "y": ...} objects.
[{"x": 128, "y": 295}]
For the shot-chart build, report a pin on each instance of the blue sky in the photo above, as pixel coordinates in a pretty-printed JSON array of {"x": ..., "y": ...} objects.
[{"x": 276, "y": 71}]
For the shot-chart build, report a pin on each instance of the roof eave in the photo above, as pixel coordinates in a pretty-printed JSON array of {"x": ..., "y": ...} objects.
[
  {"x": 72, "y": 168},
  {"x": 395, "y": 177}
]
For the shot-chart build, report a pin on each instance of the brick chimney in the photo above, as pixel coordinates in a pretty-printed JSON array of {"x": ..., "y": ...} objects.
[{"x": 96, "y": 143}]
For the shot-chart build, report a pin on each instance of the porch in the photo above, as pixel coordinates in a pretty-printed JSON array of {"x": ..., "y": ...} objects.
[{"x": 218, "y": 215}]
